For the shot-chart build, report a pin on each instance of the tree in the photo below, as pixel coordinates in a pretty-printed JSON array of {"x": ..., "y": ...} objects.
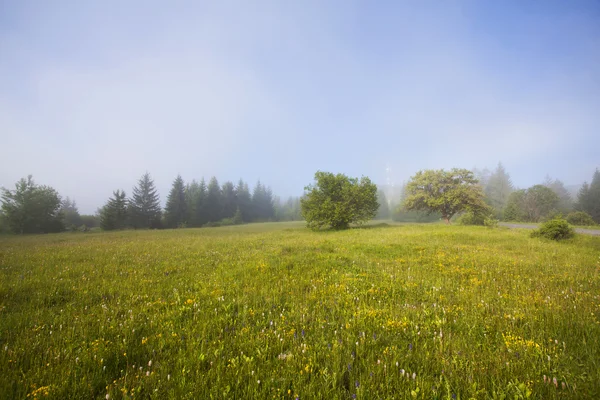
[
  {"x": 498, "y": 189},
  {"x": 145, "y": 210},
  {"x": 213, "y": 205},
  {"x": 244, "y": 200},
  {"x": 114, "y": 215},
  {"x": 228, "y": 200},
  {"x": 31, "y": 208},
  {"x": 446, "y": 192},
  {"x": 384, "y": 209},
  {"x": 565, "y": 203},
  {"x": 338, "y": 201},
  {"x": 176, "y": 208},
  {"x": 263, "y": 208},
  {"x": 72, "y": 219},
  {"x": 531, "y": 205},
  {"x": 588, "y": 199}
]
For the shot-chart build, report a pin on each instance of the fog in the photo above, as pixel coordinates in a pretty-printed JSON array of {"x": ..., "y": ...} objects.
[{"x": 94, "y": 95}]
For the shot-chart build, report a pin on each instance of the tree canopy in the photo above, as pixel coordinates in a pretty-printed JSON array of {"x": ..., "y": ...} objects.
[
  {"x": 338, "y": 201},
  {"x": 31, "y": 208},
  {"x": 145, "y": 210},
  {"x": 445, "y": 192}
]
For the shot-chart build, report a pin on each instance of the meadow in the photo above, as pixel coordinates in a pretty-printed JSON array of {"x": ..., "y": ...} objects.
[{"x": 277, "y": 311}]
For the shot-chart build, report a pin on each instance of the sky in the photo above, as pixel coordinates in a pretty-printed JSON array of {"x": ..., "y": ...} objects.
[{"x": 94, "y": 94}]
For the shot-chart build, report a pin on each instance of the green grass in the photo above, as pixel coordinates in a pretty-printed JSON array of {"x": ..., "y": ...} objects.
[{"x": 277, "y": 311}]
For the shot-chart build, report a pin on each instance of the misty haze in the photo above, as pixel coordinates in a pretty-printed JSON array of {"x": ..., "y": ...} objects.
[{"x": 299, "y": 200}]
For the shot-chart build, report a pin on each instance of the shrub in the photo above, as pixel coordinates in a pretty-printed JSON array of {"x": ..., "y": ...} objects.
[
  {"x": 470, "y": 218},
  {"x": 580, "y": 218},
  {"x": 555, "y": 229},
  {"x": 490, "y": 222}
]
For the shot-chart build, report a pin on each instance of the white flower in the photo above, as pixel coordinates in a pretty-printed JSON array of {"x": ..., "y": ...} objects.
[
  {"x": 150, "y": 363},
  {"x": 414, "y": 375}
]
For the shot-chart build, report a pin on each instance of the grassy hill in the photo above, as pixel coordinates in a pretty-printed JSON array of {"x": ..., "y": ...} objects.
[{"x": 277, "y": 311}]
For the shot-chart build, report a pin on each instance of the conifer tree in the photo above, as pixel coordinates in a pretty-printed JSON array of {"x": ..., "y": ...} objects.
[
  {"x": 214, "y": 201},
  {"x": 144, "y": 205},
  {"x": 114, "y": 214},
  {"x": 176, "y": 208}
]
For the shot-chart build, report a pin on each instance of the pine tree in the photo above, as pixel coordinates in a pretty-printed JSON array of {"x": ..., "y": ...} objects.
[
  {"x": 229, "y": 201},
  {"x": 498, "y": 189},
  {"x": 192, "y": 191},
  {"x": 72, "y": 219},
  {"x": 176, "y": 209},
  {"x": 114, "y": 214},
  {"x": 262, "y": 203},
  {"x": 588, "y": 199},
  {"x": 244, "y": 200},
  {"x": 214, "y": 205},
  {"x": 145, "y": 210},
  {"x": 200, "y": 213}
]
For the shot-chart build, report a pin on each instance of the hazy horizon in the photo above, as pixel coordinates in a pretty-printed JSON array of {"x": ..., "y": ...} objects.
[{"x": 93, "y": 95}]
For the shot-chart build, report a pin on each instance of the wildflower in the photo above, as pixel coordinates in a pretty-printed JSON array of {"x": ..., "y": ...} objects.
[
  {"x": 258, "y": 381},
  {"x": 414, "y": 375},
  {"x": 410, "y": 346},
  {"x": 147, "y": 373},
  {"x": 545, "y": 379},
  {"x": 402, "y": 372},
  {"x": 169, "y": 377},
  {"x": 555, "y": 382},
  {"x": 150, "y": 363},
  {"x": 356, "y": 384},
  {"x": 107, "y": 396}
]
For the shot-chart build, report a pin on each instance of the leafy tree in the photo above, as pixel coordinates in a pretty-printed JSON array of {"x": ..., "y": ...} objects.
[
  {"x": 498, "y": 189},
  {"x": 114, "y": 215},
  {"x": 31, "y": 208},
  {"x": 176, "y": 213},
  {"x": 384, "y": 209},
  {"x": 514, "y": 206},
  {"x": 229, "y": 200},
  {"x": 445, "y": 192},
  {"x": 338, "y": 201},
  {"x": 565, "y": 203},
  {"x": 70, "y": 212},
  {"x": 244, "y": 200},
  {"x": 539, "y": 201},
  {"x": 588, "y": 199},
  {"x": 145, "y": 210},
  {"x": 531, "y": 205},
  {"x": 213, "y": 205}
]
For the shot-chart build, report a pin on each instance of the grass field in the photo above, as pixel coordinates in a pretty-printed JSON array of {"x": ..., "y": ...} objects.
[{"x": 277, "y": 311}]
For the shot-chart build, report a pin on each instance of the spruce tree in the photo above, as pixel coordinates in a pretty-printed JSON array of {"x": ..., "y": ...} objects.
[
  {"x": 229, "y": 200},
  {"x": 200, "y": 212},
  {"x": 214, "y": 205},
  {"x": 176, "y": 208},
  {"x": 588, "y": 199},
  {"x": 244, "y": 200},
  {"x": 145, "y": 210},
  {"x": 114, "y": 214}
]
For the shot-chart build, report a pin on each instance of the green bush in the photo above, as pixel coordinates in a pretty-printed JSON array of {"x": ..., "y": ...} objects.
[
  {"x": 470, "y": 218},
  {"x": 490, "y": 222},
  {"x": 555, "y": 229},
  {"x": 580, "y": 218}
]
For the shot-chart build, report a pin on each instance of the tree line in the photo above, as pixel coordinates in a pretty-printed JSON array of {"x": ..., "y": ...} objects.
[
  {"x": 33, "y": 208},
  {"x": 504, "y": 201}
]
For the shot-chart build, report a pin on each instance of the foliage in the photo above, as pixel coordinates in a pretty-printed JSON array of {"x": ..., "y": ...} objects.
[
  {"x": 31, "y": 208},
  {"x": 471, "y": 218},
  {"x": 289, "y": 210},
  {"x": 70, "y": 213},
  {"x": 491, "y": 222},
  {"x": 531, "y": 205},
  {"x": 91, "y": 221},
  {"x": 338, "y": 201},
  {"x": 554, "y": 229},
  {"x": 213, "y": 205},
  {"x": 580, "y": 218},
  {"x": 273, "y": 310},
  {"x": 498, "y": 189},
  {"x": 588, "y": 199},
  {"x": 243, "y": 200},
  {"x": 445, "y": 192},
  {"x": 176, "y": 213},
  {"x": 237, "y": 217},
  {"x": 144, "y": 205},
  {"x": 115, "y": 214}
]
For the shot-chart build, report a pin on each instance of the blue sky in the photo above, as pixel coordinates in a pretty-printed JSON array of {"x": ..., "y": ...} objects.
[{"x": 93, "y": 94}]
